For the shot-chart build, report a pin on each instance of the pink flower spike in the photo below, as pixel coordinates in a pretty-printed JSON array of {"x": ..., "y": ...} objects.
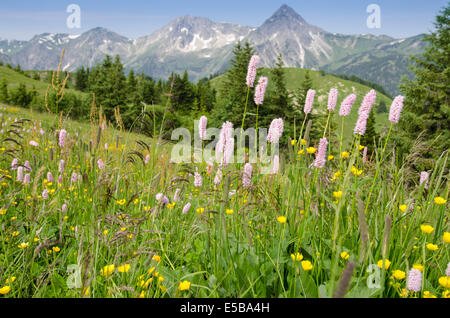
[
  {"x": 332, "y": 99},
  {"x": 202, "y": 127},
  {"x": 101, "y": 164},
  {"x": 321, "y": 154},
  {"x": 247, "y": 176},
  {"x": 252, "y": 68},
  {"x": 260, "y": 90},
  {"x": 186, "y": 208},
  {"x": 396, "y": 109},
  {"x": 62, "y": 138},
  {"x": 414, "y": 280},
  {"x": 20, "y": 174},
  {"x": 275, "y": 131},
  {"x": 346, "y": 105},
  {"x": 197, "y": 180},
  {"x": 309, "y": 101}
]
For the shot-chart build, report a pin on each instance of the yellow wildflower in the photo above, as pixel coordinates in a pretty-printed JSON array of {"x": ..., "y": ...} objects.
[
  {"x": 337, "y": 194},
  {"x": 156, "y": 258},
  {"x": 297, "y": 257},
  {"x": 387, "y": 263},
  {"x": 107, "y": 270},
  {"x": 398, "y": 274},
  {"x": 427, "y": 229},
  {"x": 432, "y": 247},
  {"x": 311, "y": 150},
  {"x": 23, "y": 245},
  {"x": 282, "y": 219},
  {"x": 427, "y": 294},
  {"x": 446, "y": 237},
  {"x": 345, "y": 255},
  {"x": 4, "y": 290},
  {"x": 123, "y": 268},
  {"x": 418, "y": 267},
  {"x": 185, "y": 285},
  {"x": 345, "y": 155},
  {"x": 403, "y": 207},
  {"x": 439, "y": 200},
  {"x": 229, "y": 211},
  {"x": 306, "y": 265}
]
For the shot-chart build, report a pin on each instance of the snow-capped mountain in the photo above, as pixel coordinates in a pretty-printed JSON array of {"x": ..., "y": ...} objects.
[{"x": 204, "y": 47}]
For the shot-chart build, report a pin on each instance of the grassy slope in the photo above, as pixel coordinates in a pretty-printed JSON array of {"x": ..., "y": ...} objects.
[
  {"x": 14, "y": 78},
  {"x": 323, "y": 84}
]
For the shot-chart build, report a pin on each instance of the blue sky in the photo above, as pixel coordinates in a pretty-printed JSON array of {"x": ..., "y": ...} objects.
[{"x": 134, "y": 18}]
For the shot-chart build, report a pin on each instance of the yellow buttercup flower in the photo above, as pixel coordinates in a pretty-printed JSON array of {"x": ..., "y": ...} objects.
[
  {"x": 337, "y": 194},
  {"x": 361, "y": 147},
  {"x": 56, "y": 249},
  {"x": 446, "y": 237},
  {"x": 345, "y": 255},
  {"x": 170, "y": 206},
  {"x": 446, "y": 294},
  {"x": 418, "y": 267},
  {"x": 297, "y": 257},
  {"x": 10, "y": 280},
  {"x": 398, "y": 274},
  {"x": 185, "y": 285},
  {"x": 427, "y": 294},
  {"x": 356, "y": 172},
  {"x": 229, "y": 211},
  {"x": 432, "y": 247},
  {"x": 156, "y": 258},
  {"x": 282, "y": 219},
  {"x": 4, "y": 290},
  {"x": 403, "y": 207},
  {"x": 300, "y": 152},
  {"x": 439, "y": 200},
  {"x": 107, "y": 270},
  {"x": 311, "y": 150},
  {"x": 307, "y": 266},
  {"x": 387, "y": 263},
  {"x": 124, "y": 268},
  {"x": 304, "y": 142},
  {"x": 445, "y": 282},
  {"x": 121, "y": 202},
  {"x": 200, "y": 210},
  {"x": 427, "y": 229},
  {"x": 345, "y": 155},
  {"x": 23, "y": 245},
  {"x": 330, "y": 157},
  {"x": 293, "y": 142}
]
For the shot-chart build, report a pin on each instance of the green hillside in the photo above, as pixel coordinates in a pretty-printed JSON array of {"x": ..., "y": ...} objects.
[
  {"x": 322, "y": 83},
  {"x": 14, "y": 78}
]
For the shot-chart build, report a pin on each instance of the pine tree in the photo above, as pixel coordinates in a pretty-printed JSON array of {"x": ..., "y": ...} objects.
[
  {"x": 233, "y": 91},
  {"x": 427, "y": 101},
  {"x": 4, "y": 97},
  {"x": 371, "y": 136}
]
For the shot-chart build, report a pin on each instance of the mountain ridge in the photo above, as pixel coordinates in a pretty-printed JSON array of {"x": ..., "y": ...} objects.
[{"x": 204, "y": 47}]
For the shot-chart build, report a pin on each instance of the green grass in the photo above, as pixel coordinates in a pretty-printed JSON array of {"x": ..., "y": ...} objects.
[{"x": 229, "y": 244}]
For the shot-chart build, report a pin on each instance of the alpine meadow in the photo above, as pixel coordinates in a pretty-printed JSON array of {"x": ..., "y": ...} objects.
[{"x": 278, "y": 162}]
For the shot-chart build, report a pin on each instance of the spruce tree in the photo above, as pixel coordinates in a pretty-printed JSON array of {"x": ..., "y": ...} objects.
[
  {"x": 233, "y": 91},
  {"x": 4, "y": 97},
  {"x": 371, "y": 136},
  {"x": 427, "y": 102}
]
